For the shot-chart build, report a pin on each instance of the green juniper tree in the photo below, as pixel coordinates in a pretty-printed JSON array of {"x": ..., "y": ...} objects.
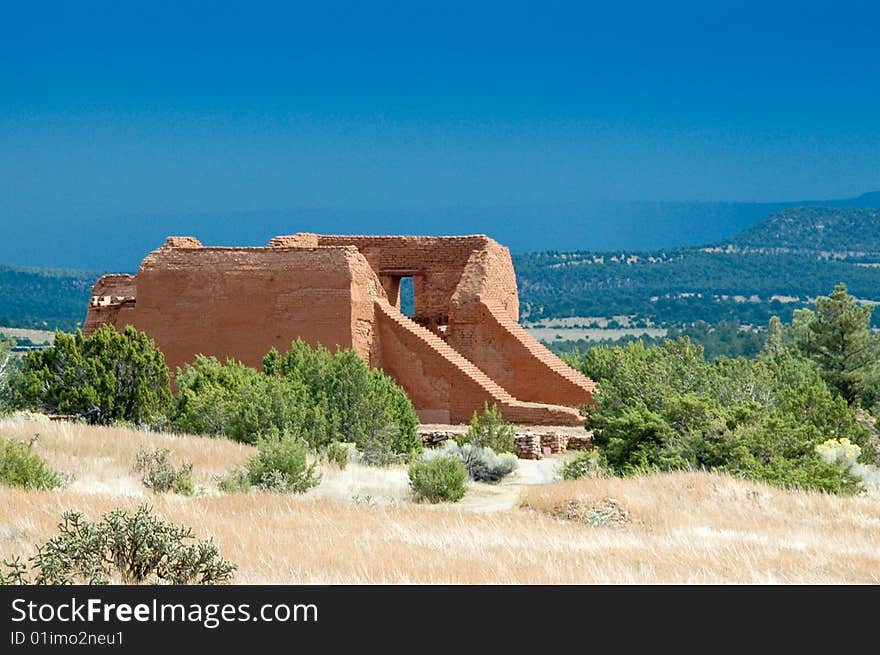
[
  {"x": 839, "y": 339},
  {"x": 106, "y": 377}
]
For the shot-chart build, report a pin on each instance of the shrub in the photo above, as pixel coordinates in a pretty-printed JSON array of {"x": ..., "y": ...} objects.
[
  {"x": 586, "y": 463},
  {"x": 20, "y": 466},
  {"x": 235, "y": 481},
  {"x": 490, "y": 430},
  {"x": 338, "y": 453},
  {"x": 844, "y": 453},
  {"x": 160, "y": 475},
  {"x": 281, "y": 464},
  {"x": 359, "y": 404},
  {"x": 482, "y": 464},
  {"x": 104, "y": 378},
  {"x": 321, "y": 397},
  {"x": 666, "y": 408},
  {"x": 133, "y": 548},
  {"x": 841, "y": 451},
  {"x": 438, "y": 479},
  {"x": 237, "y": 401},
  {"x": 378, "y": 450}
]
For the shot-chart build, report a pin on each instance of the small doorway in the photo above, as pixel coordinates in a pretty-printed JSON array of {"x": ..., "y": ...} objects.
[{"x": 407, "y": 297}]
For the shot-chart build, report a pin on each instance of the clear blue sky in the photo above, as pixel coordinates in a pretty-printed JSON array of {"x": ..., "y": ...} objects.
[{"x": 114, "y": 108}]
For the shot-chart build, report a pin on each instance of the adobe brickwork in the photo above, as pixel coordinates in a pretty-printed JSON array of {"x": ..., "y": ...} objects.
[{"x": 462, "y": 347}]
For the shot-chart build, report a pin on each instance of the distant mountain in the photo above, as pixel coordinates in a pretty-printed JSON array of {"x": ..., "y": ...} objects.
[
  {"x": 118, "y": 243},
  {"x": 816, "y": 229},
  {"x": 773, "y": 268}
]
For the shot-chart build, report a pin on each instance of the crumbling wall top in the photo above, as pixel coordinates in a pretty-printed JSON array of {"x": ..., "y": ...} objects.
[
  {"x": 298, "y": 240},
  {"x": 182, "y": 242}
]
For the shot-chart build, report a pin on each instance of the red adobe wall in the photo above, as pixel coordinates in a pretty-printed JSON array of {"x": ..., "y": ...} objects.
[
  {"x": 438, "y": 264},
  {"x": 463, "y": 349},
  {"x": 241, "y": 302},
  {"x": 112, "y": 301}
]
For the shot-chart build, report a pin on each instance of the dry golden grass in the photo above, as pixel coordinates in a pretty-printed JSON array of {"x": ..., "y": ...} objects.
[
  {"x": 101, "y": 458},
  {"x": 687, "y": 527}
]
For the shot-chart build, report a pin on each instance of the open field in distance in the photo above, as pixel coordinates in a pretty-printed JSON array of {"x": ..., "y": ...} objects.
[
  {"x": 593, "y": 334},
  {"x": 37, "y": 336}
]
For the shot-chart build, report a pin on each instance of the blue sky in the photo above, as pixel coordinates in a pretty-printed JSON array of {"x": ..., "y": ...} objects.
[{"x": 172, "y": 107}]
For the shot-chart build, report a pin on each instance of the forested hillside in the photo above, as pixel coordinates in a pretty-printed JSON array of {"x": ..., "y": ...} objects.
[
  {"x": 816, "y": 230},
  {"x": 780, "y": 265},
  {"x": 44, "y": 298}
]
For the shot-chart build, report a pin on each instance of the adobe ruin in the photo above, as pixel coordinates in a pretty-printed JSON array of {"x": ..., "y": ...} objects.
[{"x": 463, "y": 346}]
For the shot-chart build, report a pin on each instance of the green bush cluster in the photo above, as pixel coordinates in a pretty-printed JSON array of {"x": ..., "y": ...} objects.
[
  {"x": 130, "y": 548},
  {"x": 20, "y": 466},
  {"x": 438, "y": 479},
  {"x": 319, "y": 396},
  {"x": 109, "y": 376},
  {"x": 281, "y": 465},
  {"x": 322, "y": 398},
  {"x": 667, "y": 408},
  {"x": 161, "y": 476}
]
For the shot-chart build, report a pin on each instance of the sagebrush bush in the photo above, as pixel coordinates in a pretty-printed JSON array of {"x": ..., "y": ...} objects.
[
  {"x": 490, "y": 430},
  {"x": 129, "y": 548},
  {"x": 20, "y": 466},
  {"x": 485, "y": 465},
  {"x": 438, "y": 479},
  {"x": 281, "y": 464},
  {"x": 160, "y": 475},
  {"x": 482, "y": 464}
]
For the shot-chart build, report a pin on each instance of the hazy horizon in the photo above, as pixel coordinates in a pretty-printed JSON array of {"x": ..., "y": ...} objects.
[{"x": 113, "y": 109}]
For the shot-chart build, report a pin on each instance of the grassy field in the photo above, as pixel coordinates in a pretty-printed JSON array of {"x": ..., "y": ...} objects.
[
  {"x": 37, "y": 336},
  {"x": 359, "y": 525}
]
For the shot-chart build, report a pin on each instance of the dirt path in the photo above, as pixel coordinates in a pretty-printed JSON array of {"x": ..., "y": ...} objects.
[
  {"x": 390, "y": 486},
  {"x": 482, "y": 497}
]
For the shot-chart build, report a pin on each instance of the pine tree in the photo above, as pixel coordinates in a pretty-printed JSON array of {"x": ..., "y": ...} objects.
[{"x": 840, "y": 341}]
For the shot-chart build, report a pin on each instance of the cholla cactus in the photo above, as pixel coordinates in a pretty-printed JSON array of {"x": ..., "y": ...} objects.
[{"x": 841, "y": 451}]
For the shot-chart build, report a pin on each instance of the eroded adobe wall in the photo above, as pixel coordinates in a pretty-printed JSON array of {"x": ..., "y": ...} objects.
[
  {"x": 436, "y": 265},
  {"x": 240, "y": 302},
  {"x": 112, "y": 301}
]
